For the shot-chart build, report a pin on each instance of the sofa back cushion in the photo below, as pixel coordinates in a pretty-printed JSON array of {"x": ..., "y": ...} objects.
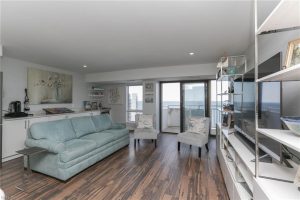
[
  {"x": 102, "y": 122},
  {"x": 59, "y": 130},
  {"x": 83, "y": 125}
]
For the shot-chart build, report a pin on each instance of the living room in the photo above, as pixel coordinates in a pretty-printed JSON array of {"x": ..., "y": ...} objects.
[{"x": 150, "y": 99}]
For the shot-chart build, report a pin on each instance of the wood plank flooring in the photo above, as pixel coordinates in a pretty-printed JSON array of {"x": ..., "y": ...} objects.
[{"x": 145, "y": 173}]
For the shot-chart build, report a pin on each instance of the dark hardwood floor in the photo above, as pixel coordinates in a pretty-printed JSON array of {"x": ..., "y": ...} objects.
[{"x": 145, "y": 173}]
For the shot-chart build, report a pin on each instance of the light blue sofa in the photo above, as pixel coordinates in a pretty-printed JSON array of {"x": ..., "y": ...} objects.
[{"x": 74, "y": 144}]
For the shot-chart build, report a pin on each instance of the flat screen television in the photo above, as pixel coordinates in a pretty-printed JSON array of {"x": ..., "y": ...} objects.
[{"x": 269, "y": 107}]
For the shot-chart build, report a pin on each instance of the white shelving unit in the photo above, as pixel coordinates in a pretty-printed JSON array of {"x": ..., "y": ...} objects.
[
  {"x": 273, "y": 180},
  {"x": 288, "y": 74},
  {"x": 234, "y": 157},
  {"x": 285, "y": 137},
  {"x": 284, "y": 16}
]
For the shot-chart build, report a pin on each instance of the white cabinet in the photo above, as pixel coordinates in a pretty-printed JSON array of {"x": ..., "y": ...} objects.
[{"x": 14, "y": 135}]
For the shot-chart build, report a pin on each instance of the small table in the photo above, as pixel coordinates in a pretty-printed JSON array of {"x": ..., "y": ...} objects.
[{"x": 27, "y": 152}]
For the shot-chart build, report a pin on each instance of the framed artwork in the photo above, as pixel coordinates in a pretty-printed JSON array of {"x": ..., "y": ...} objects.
[
  {"x": 45, "y": 87},
  {"x": 115, "y": 95},
  {"x": 149, "y": 88},
  {"x": 149, "y": 98},
  {"x": 293, "y": 53}
]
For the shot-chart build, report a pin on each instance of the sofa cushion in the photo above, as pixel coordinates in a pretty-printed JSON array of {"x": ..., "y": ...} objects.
[
  {"x": 118, "y": 133},
  {"x": 102, "y": 122},
  {"x": 83, "y": 125},
  {"x": 59, "y": 130},
  {"x": 76, "y": 148},
  {"x": 100, "y": 138}
]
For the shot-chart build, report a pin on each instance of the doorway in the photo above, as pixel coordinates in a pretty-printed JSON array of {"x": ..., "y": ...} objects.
[{"x": 179, "y": 101}]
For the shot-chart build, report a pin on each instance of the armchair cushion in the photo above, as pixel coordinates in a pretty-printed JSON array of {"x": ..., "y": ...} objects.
[
  {"x": 145, "y": 121},
  {"x": 199, "y": 125},
  {"x": 145, "y": 133},
  {"x": 83, "y": 125},
  {"x": 59, "y": 130},
  {"x": 192, "y": 138},
  {"x": 76, "y": 148},
  {"x": 102, "y": 122},
  {"x": 51, "y": 146}
]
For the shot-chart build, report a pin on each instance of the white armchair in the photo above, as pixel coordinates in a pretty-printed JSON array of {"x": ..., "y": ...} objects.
[
  {"x": 197, "y": 133},
  {"x": 145, "y": 128}
]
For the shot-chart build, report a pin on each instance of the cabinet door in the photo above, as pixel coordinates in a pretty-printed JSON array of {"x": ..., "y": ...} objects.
[{"x": 14, "y": 135}]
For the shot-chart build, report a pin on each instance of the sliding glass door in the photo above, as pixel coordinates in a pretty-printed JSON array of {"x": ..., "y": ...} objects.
[
  {"x": 179, "y": 102},
  {"x": 194, "y": 101}
]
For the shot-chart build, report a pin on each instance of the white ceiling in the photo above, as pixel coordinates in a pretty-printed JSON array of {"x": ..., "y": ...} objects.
[{"x": 114, "y": 35}]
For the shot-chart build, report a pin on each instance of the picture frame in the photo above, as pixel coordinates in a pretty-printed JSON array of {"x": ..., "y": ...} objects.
[
  {"x": 149, "y": 88},
  {"x": 293, "y": 53},
  {"x": 115, "y": 96},
  {"x": 149, "y": 98}
]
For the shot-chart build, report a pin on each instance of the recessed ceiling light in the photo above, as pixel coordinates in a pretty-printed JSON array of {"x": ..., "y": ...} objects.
[
  {"x": 84, "y": 66},
  {"x": 191, "y": 53}
]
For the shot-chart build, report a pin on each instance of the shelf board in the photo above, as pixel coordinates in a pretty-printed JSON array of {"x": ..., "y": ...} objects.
[
  {"x": 288, "y": 74},
  {"x": 231, "y": 152},
  {"x": 242, "y": 152},
  {"x": 277, "y": 171},
  {"x": 243, "y": 193},
  {"x": 246, "y": 175},
  {"x": 227, "y": 77},
  {"x": 285, "y": 15},
  {"x": 278, "y": 189},
  {"x": 285, "y": 137}
]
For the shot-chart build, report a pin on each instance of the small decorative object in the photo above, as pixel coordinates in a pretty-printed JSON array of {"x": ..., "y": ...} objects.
[
  {"x": 223, "y": 62},
  {"x": 114, "y": 96},
  {"x": 225, "y": 120},
  {"x": 293, "y": 53},
  {"x": 227, "y": 106},
  {"x": 149, "y": 88},
  {"x": 231, "y": 87},
  {"x": 231, "y": 70},
  {"x": 26, "y": 102},
  {"x": 149, "y": 98},
  {"x": 293, "y": 123},
  {"x": 46, "y": 87},
  {"x": 94, "y": 105},
  {"x": 87, "y": 105}
]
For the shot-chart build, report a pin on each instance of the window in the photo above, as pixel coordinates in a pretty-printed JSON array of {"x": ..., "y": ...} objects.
[{"x": 134, "y": 102}]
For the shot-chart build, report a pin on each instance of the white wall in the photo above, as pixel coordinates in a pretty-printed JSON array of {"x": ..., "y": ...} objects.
[
  {"x": 118, "y": 111},
  {"x": 15, "y": 81},
  {"x": 201, "y": 70},
  {"x": 152, "y": 108}
]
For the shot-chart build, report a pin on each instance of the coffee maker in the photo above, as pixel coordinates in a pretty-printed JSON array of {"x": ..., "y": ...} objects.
[
  {"x": 15, "y": 107},
  {"x": 15, "y": 110}
]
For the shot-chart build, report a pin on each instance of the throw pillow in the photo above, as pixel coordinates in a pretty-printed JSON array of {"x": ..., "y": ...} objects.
[
  {"x": 197, "y": 125},
  {"x": 145, "y": 121}
]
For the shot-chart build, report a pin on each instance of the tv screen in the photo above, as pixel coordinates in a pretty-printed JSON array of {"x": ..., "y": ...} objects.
[{"x": 269, "y": 105}]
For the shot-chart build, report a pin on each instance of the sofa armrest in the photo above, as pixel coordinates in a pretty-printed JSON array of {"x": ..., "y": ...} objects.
[
  {"x": 118, "y": 126},
  {"x": 51, "y": 146}
]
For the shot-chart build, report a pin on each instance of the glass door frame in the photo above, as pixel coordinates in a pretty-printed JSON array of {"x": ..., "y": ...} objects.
[{"x": 182, "y": 82}]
